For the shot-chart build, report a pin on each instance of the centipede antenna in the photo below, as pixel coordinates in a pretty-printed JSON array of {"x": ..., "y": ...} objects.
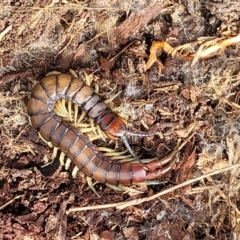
[
  {"x": 124, "y": 139},
  {"x": 139, "y": 134}
]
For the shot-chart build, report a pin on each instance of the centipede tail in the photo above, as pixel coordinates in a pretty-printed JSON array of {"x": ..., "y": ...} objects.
[{"x": 76, "y": 146}]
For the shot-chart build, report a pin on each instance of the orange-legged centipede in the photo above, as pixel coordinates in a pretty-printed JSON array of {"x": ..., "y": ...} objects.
[{"x": 75, "y": 145}]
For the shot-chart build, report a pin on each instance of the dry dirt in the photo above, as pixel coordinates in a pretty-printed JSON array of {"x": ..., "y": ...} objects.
[{"x": 197, "y": 104}]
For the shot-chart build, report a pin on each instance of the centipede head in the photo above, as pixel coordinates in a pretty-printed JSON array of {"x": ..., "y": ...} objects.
[{"x": 117, "y": 128}]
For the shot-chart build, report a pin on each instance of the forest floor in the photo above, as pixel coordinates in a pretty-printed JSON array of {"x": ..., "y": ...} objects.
[{"x": 192, "y": 101}]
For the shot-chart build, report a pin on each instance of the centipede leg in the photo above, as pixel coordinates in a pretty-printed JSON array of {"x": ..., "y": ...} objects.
[{"x": 91, "y": 185}]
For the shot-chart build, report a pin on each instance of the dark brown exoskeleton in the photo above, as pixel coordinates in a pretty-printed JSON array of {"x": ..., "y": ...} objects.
[{"x": 77, "y": 146}]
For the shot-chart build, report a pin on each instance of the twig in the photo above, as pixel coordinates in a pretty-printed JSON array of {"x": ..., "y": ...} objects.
[
  {"x": 9, "y": 202},
  {"x": 5, "y": 31}
]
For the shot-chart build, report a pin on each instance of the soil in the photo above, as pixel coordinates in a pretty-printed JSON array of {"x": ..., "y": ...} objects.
[{"x": 196, "y": 103}]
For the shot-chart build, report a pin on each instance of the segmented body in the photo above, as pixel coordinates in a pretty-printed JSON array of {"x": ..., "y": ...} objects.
[{"x": 74, "y": 144}]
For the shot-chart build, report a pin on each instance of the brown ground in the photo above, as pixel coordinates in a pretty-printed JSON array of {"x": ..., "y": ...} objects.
[{"x": 198, "y": 104}]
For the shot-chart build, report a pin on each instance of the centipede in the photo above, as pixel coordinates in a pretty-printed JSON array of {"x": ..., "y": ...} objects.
[{"x": 82, "y": 152}]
